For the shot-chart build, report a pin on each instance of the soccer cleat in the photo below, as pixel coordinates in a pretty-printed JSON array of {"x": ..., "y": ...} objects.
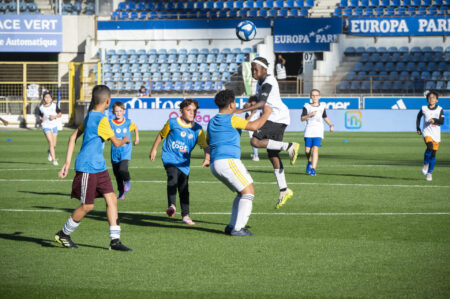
[
  {"x": 429, "y": 177},
  {"x": 116, "y": 245},
  {"x": 241, "y": 233},
  {"x": 255, "y": 158},
  {"x": 171, "y": 211},
  {"x": 228, "y": 229},
  {"x": 126, "y": 186},
  {"x": 284, "y": 196},
  {"x": 55, "y": 163},
  {"x": 308, "y": 168},
  {"x": 49, "y": 157},
  {"x": 293, "y": 152},
  {"x": 188, "y": 221},
  {"x": 122, "y": 196},
  {"x": 425, "y": 169},
  {"x": 64, "y": 240},
  {"x": 312, "y": 172}
]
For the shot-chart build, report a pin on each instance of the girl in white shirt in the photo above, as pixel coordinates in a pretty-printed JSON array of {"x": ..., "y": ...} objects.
[{"x": 49, "y": 114}]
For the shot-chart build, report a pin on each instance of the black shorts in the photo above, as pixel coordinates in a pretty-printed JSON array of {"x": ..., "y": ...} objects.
[
  {"x": 270, "y": 130},
  {"x": 88, "y": 186}
]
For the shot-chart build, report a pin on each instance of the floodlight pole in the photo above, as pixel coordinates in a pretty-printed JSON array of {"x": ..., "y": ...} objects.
[{"x": 18, "y": 7}]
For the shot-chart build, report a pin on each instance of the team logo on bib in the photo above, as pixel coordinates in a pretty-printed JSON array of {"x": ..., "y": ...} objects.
[
  {"x": 183, "y": 134},
  {"x": 117, "y": 130},
  {"x": 190, "y": 136}
]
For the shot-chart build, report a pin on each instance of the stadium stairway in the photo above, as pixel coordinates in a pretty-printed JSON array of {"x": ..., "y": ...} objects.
[
  {"x": 44, "y": 6},
  {"x": 323, "y": 8},
  {"x": 347, "y": 64}
]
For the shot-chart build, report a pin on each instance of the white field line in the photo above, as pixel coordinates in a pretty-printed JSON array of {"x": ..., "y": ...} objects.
[
  {"x": 257, "y": 183},
  {"x": 56, "y": 169},
  {"x": 256, "y": 213}
]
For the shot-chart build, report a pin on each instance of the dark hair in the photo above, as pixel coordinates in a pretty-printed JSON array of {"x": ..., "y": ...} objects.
[
  {"x": 99, "y": 95},
  {"x": 43, "y": 96},
  {"x": 253, "y": 99},
  {"x": 118, "y": 104},
  {"x": 224, "y": 98},
  {"x": 433, "y": 92},
  {"x": 263, "y": 60},
  {"x": 187, "y": 102}
]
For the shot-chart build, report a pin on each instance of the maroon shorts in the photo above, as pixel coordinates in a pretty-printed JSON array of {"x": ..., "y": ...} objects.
[{"x": 88, "y": 186}]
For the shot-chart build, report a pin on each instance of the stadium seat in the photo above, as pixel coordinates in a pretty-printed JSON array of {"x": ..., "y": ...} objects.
[
  {"x": 429, "y": 85},
  {"x": 368, "y": 12},
  {"x": 178, "y": 86},
  {"x": 355, "y": 86},
  {"x": 218, "y": 85},
  {"x": 208, "y": 86},
  {"x": 390, "y": 11},
  {"x": 385, "y": 57},
  {"x": 337, "y": 12},
  {"x": 269, "y": 4},
  {"x": 303, "y": 12},
  {"x": 440, "y": 85},
  {"x": 379, "y": 66},
  {"x": 188, "y": 86},
  {"x": 198, "y": 86},
  {"x": 350, "y": 51}
]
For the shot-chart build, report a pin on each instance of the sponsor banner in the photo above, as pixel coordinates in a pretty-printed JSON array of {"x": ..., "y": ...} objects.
[
  {"x": 30, "y": 33},
  {"x": 343, "y": 120},
  {"x": 208, "y": 102},
  {"x": 401, "y": 103},
  {"x": 397, "y": 26},
  {"x": 176, "y": 29},
  {"x": 305, "y": 34}
]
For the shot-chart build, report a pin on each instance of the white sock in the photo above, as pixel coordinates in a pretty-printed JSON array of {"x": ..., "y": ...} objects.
[
  {"x": 234, "y": 210},
  {"x": 281, "y": 179},
  {"x": 255, "y": 152},
  {"x": 114, "y": 232},
  {"x": 70, "y": 226},
  {"x": 244, "y": 211},
  {"x": 277, "y": 145}
]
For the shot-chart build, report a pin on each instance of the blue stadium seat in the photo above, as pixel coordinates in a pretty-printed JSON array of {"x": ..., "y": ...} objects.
[
  {"x": 417, "y": 56},
  {"x": 403, "y": 49},
  {"x": 120, "y": 86},
  {"x": 198, "y": 86},
  {"x": 365, "y": 57},
  {"x": 353, "y": 3},
  {"x": 208, "y": 86},
  {"x": 271, "y": 13},
  {"x": 348, "y": 11},
  {"x": 436, "y": 75},
  {"x": 442, "y": 66},
  {"x": 440, "y": 85},
  {"x": 178, "y": 86},
  {"x": 390, "y": 11},
  {"x": 389, "y": 67},
  {"x": 358, "y": 67},
  {"x": 406, "y": 3},
  {"x": 196, "y": 76},
  {"x": 156, "y": 77},
  {"x": 416, "y": 2},
  {"x": 223, "y": 67},
  {"x": 259, "y": 4},
  {"x": 146, "y": 76},
  {"x": 232, "y": 13},
  {"x": 422, "y": 11},
  {"x": 229, "y": 4},
  {"x": 411, "y": 11},
  {"x": 426, "y": 2},
  {"x": 279, "y": 3},
  {"x": 343, "y": 3},
  {"x": 249, "y": 4},
  {"x": 186, "y": 76},
  {"x": 401, "y": 11},
  {"x": 289, "y": 4},
  {"x": 385, "y": 57},
  {"x": 410, "y": 67},
  {"x": 398, "y": 86},
  {"x": 374, "y": 3},
  {"x": 158, "y": 86},
  {"x": 303, "y": 12},
  {"x": 168, "y": 86},
  {"x": 193, "y": 67},
  {"x": 395, "y": 3},
  {"x": 367, "y": 67},
  {"x": 350, "y": 76},
  {"x": 425, "y": 75},
  {"x": 415, "y": 75},
  {"x": 309, "y": 3},
  {"x": 122, "y": 6},
  {"x": 218, "y": 85},
  {"x": 184, "y": 67},
  {"x": 368, "y": 12},
  {"x": 226, "y": 76},
  {"x": 404, "y": 76},
  {"x": 379, "y": 11},
  {"x": 364, "y": 3},
  {"x": 203, "y": 67},
  {"x": 429, "y": 85},
  {"x": 192, "y": 58},
  {"x": 350, "y": 51},
  {"x": 269, "y": 4},
  {"x": 188, "y": 86},
  {"x": 337, "y": 12},
  {"x": 375, "y": 57},
  {"x": 281, "y": 12},
  {"x": 299, "y": 3},
  {"x": 215, "y": 76},
  {"x": 344, "y": 86},
  {"x": 252, "y": 13},
  {"x": 379, "y": 66},
  {"x": 355, "y": 86}
]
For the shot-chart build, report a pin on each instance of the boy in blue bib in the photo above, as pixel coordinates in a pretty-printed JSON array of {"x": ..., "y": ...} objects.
[{"x": 121, "y": 156}]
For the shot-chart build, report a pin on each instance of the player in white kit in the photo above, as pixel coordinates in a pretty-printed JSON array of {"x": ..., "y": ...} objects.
[
  {"x": 314, "y": 114},
  {"x": 270, "y": 135},
  {"x": 431, "y": 131},
  {"x": 49, "y": 113}
]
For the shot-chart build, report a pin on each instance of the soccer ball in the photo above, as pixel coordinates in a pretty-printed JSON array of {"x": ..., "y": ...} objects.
[{"x": 245, "y": 31}]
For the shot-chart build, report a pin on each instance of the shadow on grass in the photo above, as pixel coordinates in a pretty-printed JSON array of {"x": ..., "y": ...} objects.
[
  {"x": 46, "y": 193},
  {"x": 367, "y": 176},
  {"x": 147, "y": 220},
  {"x": 17, "y": 236}
]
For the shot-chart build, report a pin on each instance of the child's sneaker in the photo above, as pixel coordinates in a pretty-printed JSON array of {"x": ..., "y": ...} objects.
[
  {"x": 313, "y": 172},
  {"x": 126, "y": 186},
  {"x": 425, "y": 169},
  {"x": 293, "y": 151},
  {"x": 429, "y": 177},
  {"x": 171, "y": 211},
  {"x": 255, "y": 158},
  {"x": 65, "y": 240},
  {"x": 55, "y": 163},
  {"x": 49, "y": 157},
  {"x": 308, "y": 168},
  {"x": 117, "y": 245},
  {"x": 187, "y": 220},
  {"x": 122, "y": 196}
]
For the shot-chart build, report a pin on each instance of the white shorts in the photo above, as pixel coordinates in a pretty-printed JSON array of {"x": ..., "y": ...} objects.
[{"x": 232, "y": 173}]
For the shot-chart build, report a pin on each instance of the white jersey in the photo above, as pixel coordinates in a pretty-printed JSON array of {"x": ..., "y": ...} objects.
[
  {"x": 281, "y": 71},
  {"x": 429, "y": 129},
  {"x": 280, "y": 112},
  {"x": 46, "y": 112},
  {"x": 314, "y": 125}
]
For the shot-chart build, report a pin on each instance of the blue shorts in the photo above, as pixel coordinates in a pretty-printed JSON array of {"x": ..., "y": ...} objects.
[
  {"x": 53, "y": 130},
  {"x": 313, "y": 141}
]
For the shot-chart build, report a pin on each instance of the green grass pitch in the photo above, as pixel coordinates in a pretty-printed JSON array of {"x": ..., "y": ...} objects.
[{"x": 368, "y": 225}]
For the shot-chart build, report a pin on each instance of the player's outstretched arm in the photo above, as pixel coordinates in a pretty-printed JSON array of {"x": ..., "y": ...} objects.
[
  {"x": 258, "y": 105},
  {"x": 136, "y": 136},
  {"x": 206, "y": 161},
  {"x": 329, "y": 124},
  {"x": 70, "y": 148},
  {"x": 258, "y": 123},
  {"x": 154, "y": 149}
]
